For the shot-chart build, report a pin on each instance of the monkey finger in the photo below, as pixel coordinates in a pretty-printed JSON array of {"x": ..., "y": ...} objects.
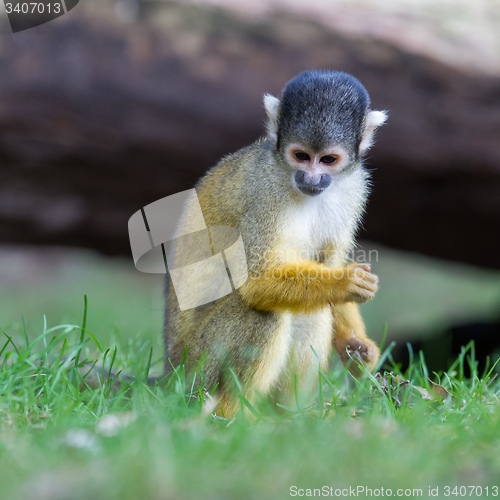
[
  {"x": 373, "y": 278},
  {"x": 370, "y": 286},
  {"x": 366, "y": 267},
  {"x": 360, "y": 297},
  {"x": 362, "y": 273},
  {"x": 366, "y": 292},
  {"x": 366, "y": 356},
  {"x": 356, "y": 356}
]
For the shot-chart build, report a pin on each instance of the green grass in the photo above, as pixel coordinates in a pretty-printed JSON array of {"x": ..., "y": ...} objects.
[
  {"x": 51, "y": 281},
  {"x": 68, "y": 435},
  {"x": 419, "y": 296}
]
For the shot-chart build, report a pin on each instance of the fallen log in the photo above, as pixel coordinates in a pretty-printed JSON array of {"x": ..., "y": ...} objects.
[{"x": 99, "y": 118}]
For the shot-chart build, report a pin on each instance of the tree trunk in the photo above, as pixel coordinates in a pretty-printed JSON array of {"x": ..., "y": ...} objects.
[{"x": 98, "y": 119}]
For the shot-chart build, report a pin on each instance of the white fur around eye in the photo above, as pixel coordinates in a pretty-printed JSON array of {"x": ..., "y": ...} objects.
[
  {"x": 271, "y": 105},
  {"x": 374, "y": 119}
]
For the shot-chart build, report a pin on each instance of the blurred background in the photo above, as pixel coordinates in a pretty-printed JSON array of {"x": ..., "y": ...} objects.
[{"x": 122, "y": 102}]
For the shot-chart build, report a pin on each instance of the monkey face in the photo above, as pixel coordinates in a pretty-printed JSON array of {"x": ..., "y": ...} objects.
[{"x": 314, "y": 169}]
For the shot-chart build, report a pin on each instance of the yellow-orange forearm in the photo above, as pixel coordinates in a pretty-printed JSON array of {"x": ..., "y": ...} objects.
[{"x": 306, "y": 286}]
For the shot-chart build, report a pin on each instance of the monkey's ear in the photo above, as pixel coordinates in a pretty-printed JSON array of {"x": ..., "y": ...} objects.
[
  {"x": 373, "y": 120},
  {"x": 272, "y": 105}
]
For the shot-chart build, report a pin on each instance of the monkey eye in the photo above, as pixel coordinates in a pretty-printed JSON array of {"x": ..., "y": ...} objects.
[
  {"x": 328, "y": 159},
  {"x": 301, "y": 156}
]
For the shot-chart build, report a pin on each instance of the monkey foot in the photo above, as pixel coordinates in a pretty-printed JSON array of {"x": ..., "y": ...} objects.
[{"x": 362, "y": 351}]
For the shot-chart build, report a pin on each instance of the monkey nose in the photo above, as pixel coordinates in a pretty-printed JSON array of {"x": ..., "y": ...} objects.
[{"x": 311, "y": 185}]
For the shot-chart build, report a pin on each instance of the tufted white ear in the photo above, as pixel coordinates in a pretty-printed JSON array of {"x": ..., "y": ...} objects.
[
  {"x": 271, "y": 105},
  {"x": 373, "y": 120}
]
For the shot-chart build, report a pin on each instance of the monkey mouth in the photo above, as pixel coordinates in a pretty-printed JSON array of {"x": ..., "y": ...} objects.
[{"x": 311, "y": 190}]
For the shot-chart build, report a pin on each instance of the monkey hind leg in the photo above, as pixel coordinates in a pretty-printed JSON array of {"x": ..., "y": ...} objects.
[
  {"x": 246, "y": 348},
  {"x": 350, "y": 339},
  {"x": 312, "y": 346}
]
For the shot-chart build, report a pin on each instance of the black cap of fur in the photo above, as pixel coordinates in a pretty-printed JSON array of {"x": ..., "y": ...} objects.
[{"x": 321, "y": 108}]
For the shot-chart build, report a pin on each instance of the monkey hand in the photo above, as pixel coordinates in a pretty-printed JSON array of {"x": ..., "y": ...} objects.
[
  {"x": 360, "y": 283},
  {"x": 357, "y": 351}
]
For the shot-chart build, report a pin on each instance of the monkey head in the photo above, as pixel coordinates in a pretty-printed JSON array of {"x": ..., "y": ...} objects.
[{"x": 321, "y": 127}]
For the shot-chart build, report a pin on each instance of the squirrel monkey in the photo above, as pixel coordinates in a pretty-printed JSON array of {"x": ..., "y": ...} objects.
[{"x": 296, "y": 196}]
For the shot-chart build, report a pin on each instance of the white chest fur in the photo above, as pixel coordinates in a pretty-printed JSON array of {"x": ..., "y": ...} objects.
[
  {"x": 328, "y": 220},
  {"x": 316, "y": 227}
]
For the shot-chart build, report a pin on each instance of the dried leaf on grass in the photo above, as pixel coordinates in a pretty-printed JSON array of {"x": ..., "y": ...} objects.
[{"x": 436, "y": 391}]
